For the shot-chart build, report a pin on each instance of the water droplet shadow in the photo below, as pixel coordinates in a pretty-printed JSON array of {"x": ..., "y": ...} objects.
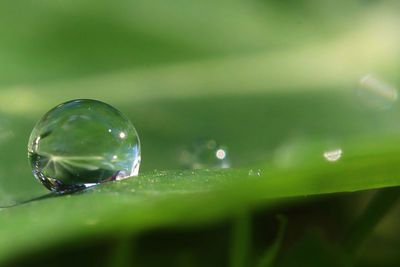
[
  {"x": 50, "y": 195},
  {"x": 47, "y": 196}
]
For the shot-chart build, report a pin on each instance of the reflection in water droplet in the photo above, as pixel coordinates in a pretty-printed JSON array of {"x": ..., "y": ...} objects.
[
  {"x": 375, "y": 93},
  {"x": 205, "y": 154},
  {"x": 333, "y": 155},
  {"x": 75, "y": 146}
]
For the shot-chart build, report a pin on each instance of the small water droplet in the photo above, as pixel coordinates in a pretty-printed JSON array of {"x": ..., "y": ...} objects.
[
  {"x": 333, "y": 155},
  {"x": 221, "y": 154},
  {"x": 375, "y": 93},
  {"x": 255, "y": 173},
  {"x": 205, "y": 154},
  {"x": 71, "y": 146}
]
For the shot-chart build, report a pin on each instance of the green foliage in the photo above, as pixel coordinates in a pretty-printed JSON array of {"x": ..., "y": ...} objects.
[{"x": 273, "y": 81}]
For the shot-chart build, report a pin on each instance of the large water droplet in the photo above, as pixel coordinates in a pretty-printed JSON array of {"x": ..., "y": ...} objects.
[
  {"x": 205, "y": 154},
  {"x": 82, "y": 143}
]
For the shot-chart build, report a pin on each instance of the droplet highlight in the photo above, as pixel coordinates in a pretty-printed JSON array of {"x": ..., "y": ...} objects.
[
  {"x": 333, "y": 155},
  {"x": 82, "y": 143},
  {"x": 204, "y": 154}
]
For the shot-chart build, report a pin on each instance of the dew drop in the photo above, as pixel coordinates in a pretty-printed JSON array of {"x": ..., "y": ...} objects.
[
  {"x": 82, "y": 143},
  {"x": 221, "y": 154},
  {"x": 205, "y": 154},
  {"x": 255, "y": 173},
  {"x": 333, "y": 155}
]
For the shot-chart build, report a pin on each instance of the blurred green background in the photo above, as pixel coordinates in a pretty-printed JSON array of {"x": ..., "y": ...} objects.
[{"x": 277, "y": 83}]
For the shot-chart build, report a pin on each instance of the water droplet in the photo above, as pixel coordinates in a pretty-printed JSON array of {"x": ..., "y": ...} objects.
[
  {"x": 221, "y": 154},
  {"x": 375, "y": 93},
  {"x": 255, "y": 173},
  {"x": 333, "y": 155},
  {"x": 82, "y": 143},
  {"x": 205, "y": 154}
]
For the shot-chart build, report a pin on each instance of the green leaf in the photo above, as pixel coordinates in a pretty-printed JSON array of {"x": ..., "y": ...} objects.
[
  {"x": 241, "y": 240},
  {"x": 174, "y": 198},
  {"x": 273, "y": 81},
  {"x": 271, "y": 254},
  {"x": 323, "y": 253}
]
